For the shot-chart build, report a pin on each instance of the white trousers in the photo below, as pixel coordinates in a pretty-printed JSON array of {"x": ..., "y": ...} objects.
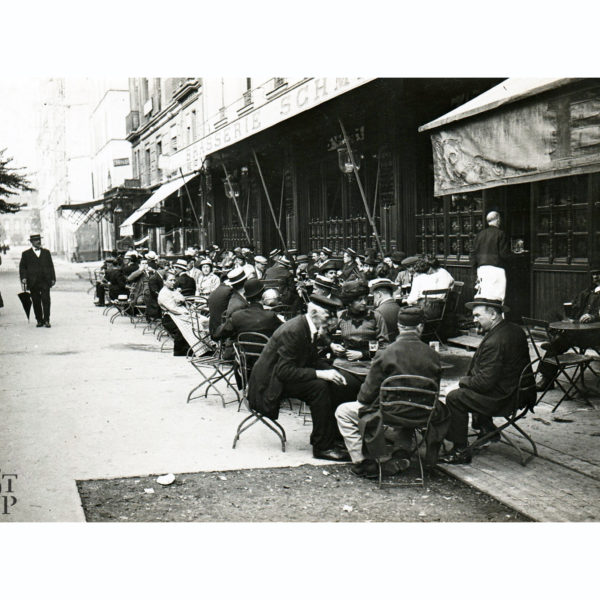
[
  {"x": 347, "y": 418},
  {"x": 491, "y": 283}
]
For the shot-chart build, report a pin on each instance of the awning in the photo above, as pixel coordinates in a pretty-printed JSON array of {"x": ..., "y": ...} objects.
[
  {"x": 163, "y": 192},
  {"x": 81, "y": 212},
  {"x": 511, "y": 134}
]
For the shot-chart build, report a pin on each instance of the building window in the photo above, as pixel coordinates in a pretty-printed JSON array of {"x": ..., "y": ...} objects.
[
  {"x": 194, "y": 126},
  {"x": 561, "y": 220},
  {"x": 174, "y": 143}
]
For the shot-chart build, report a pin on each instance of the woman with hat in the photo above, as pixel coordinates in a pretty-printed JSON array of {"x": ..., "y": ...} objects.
[
  {"x": 429, "y": 275},
  {"x": 350, "y": 269},
  {"x": 208, "y": 281},
  {"x": 358, "y": 324}
]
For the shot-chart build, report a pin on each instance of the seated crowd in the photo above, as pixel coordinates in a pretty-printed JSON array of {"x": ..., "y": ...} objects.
[{"x": 316, "y": 310}]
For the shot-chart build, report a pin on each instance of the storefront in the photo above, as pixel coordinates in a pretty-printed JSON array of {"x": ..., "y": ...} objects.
[{"x": 529, "y": 149}]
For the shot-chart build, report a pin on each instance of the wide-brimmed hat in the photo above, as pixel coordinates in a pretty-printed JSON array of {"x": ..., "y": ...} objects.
[
  {"x": 237, "y": 275},
  {"x": 260, "y": 260},
  {"x": 180, "y": 263},
  {"x": 411, "y": 316},
  {"x": 325, "y": 282},
  {"x": 328, "y": 265},
  {"x": 332, "y": 304},
  {"x": 497, "y": 304},
  {"x": 253, "y": 288},
  {"x": 351, "y": 290},
  {"x": 409, "y": 261},
  {"x": 382, "y": 282}
]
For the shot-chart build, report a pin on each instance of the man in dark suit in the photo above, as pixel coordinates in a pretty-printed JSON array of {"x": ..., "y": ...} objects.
[
  {"x": 489, "y": 256},
  {"x": 236, "y": 279},
  {"x": 289, "y": 367},
  {"x": 217, "y": 301},
  {"x": 383, "y": 290},
  {"x": 489, "y": 387},
  {"x": 155, "y": 284},
  {"x": 36, "y": 271},
  {"x": 183, "y": 281},
  {"x": 281, "y": 271},
  {"x": 407, "y": 355}
]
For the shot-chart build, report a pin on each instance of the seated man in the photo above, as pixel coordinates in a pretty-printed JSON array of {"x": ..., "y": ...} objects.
[
  {"x": 385, "y": 305},
  {"x": 184, "y": 282},
  {"x": 408, "y": 355},
  {"x": 585, "y": 309},
  {"x": 289, "y": 367},
  {"x": 172, "y": 302},
  {"x": 489, "y": 387}
]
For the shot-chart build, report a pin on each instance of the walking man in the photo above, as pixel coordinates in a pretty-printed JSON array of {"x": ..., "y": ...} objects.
[
  {"x": 36, "y": 271},
  {"x": 489, "y": 256}
]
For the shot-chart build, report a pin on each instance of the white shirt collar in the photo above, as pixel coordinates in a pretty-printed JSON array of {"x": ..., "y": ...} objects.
[
  {"x": 38, "y": 251},
  {"x": 311, "y": 327}
]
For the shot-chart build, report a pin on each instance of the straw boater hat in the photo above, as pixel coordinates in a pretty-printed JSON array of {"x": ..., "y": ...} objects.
[
  {"x": 260, "y": 260},
  {"x": 237, "y": 275},
  {"x": 497, "y": 304},
  {"x": 410, "y": 261},
  {"x": 328, "y": 265},
  {"x": 382, "y": 282},
  {"x": 351, "y": 252},
  {"x": 274, "y": 252},
  {"x": 302, "y": 258},
  {"x": 283, "y": 260},
  {"x": 326, "y": 250},
  {"x": 151, "y": 255},
  {"x": 180, "y": 263},
  {"x": 206, "y": 261},
  {"x": 35, "y": 236}
]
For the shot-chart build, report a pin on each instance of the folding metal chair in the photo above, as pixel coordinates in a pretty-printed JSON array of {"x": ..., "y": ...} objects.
[
  {"x": 248, "y": 348},
  {"x": 409, "y": 402},
  {"x": 434, "y": 298},
  {"x": 520, "y": 409},
  {"x": 562, "y": 363}
]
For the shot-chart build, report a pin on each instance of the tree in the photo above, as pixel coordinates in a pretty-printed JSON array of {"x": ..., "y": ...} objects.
[{"x": 11, "y": 182}]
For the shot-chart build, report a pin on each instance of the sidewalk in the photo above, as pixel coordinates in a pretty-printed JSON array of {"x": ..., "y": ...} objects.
[{"x": 89, "y": 400}]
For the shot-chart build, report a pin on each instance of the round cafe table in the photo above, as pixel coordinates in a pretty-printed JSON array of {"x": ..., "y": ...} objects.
[{"x": 359, "y": 368}]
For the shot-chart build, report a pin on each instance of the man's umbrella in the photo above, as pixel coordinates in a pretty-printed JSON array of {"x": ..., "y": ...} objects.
[{"x": 25, "y": 298}]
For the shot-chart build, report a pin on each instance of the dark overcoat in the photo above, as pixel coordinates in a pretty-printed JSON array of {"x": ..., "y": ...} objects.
[
  {"x": 389, "y": 311},
  {"x": 39, "y": 272},
  {"x": 236, "y": 302},
  {"x": 490, "y": 247},
  {"x": 218, "y": 300},
  {"x": 496, "y": 366},
  {"x": 289, "y": 356},
  {"x": 254, "y": 318}
]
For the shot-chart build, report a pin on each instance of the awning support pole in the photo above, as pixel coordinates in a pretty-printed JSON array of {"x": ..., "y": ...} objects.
[
  {"x": 281, "y": 198},
  {"x": 190, "y": 199},
  {"x": 360, "y": 187},
  {"x": 269, "y": 201},
  {"x": 237, "y": 208}
]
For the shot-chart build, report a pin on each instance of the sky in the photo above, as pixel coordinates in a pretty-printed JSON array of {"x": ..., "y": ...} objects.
[{"x": 18, "y": 120}]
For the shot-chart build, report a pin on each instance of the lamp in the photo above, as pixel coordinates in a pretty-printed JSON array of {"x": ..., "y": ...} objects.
[
  {"x": 345, "y": 162},
  {"x": 118, "y": 210},
  {"x": 232, "y": 188}
]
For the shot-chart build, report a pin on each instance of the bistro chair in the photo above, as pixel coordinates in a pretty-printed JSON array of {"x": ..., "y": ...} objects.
[
  {"x": 570, "y": 364},
  {"x": 521, "y": 408},
  {"x": 438, "y": 300},
  {"x": 408, "y": 401},
  {"x": 248, "y": 348}
]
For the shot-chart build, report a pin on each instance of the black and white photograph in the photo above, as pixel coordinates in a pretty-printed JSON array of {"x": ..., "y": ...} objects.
[{"x": 231, "y": 299}]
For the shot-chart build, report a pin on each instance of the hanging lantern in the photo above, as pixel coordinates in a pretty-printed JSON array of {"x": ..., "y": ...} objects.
[
  {"x": 345, "y": 162},
  {"x": 232, "y": 188}
]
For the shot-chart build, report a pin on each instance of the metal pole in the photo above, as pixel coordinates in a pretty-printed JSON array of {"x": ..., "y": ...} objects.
[
  {"x": 189, "y": 198},
  {"x": 376, "y": 187},
  {"x": 269, "y": 201},
  {"x": 360, "y": 187},
  {"x": 237, "y": 208},
  {"x": 281, "y": 198}
]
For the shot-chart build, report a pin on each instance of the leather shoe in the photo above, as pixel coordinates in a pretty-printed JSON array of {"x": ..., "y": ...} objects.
[
  {"x": 456, "y": 458},
  {"x": 40, "y": 324},
  {"x": 47, "y": 324},
  {"x": 365, "y": 468},
  {"x": 332, "y": 454}
]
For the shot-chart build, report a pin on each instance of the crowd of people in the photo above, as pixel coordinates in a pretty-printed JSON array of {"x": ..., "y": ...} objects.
[{"x": 318, "y": 308}]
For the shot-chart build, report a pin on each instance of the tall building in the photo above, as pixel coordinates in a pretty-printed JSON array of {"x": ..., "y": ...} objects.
[{"x": 64, "y": 162}]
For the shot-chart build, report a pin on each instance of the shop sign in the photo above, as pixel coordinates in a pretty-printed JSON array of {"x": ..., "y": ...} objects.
[
  {"x": 120, "y": 162},
  {"x": 297, "y": 99}
]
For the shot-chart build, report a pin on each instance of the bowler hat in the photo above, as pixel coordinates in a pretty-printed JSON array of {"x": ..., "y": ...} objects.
[
  {"x": 411, "y": 316},
  {"x": 253, "y": 287},
  {"x": 237, "y": 275},
  {"x": 332, "y": 304},
  {"x": 497, "y": 304},
  {"x": 409, "y": 261},
  {"x": 381, "y": 282},
  {"x": 325, "y": 282}
]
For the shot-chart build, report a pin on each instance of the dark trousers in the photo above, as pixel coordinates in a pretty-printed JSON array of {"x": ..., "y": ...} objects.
[
  {"x": 40, "y": 298},
  {"x": 323, "y": 397},
  {"x": 100, "y": 294},
  {"x": 180, "y": 345},
  {"x": 461, "y": 402},
  {"x": 563, "y": 343}
]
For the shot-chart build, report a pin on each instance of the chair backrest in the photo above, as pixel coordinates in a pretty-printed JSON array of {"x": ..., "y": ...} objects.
[
  {"x": 527, "y": 386},
  {"x": 536, "y": 328},
  {"x": 455, "y": 296},
  {"x": 272, "y": 284},
  {"x": 437, "y": 297},
  {"x": 248, "y": 347},
  {"x": 408, "y": 400}
]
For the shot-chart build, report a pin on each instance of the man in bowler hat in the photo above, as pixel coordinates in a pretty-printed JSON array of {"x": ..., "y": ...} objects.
[{"x": 36, "y": 271}]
